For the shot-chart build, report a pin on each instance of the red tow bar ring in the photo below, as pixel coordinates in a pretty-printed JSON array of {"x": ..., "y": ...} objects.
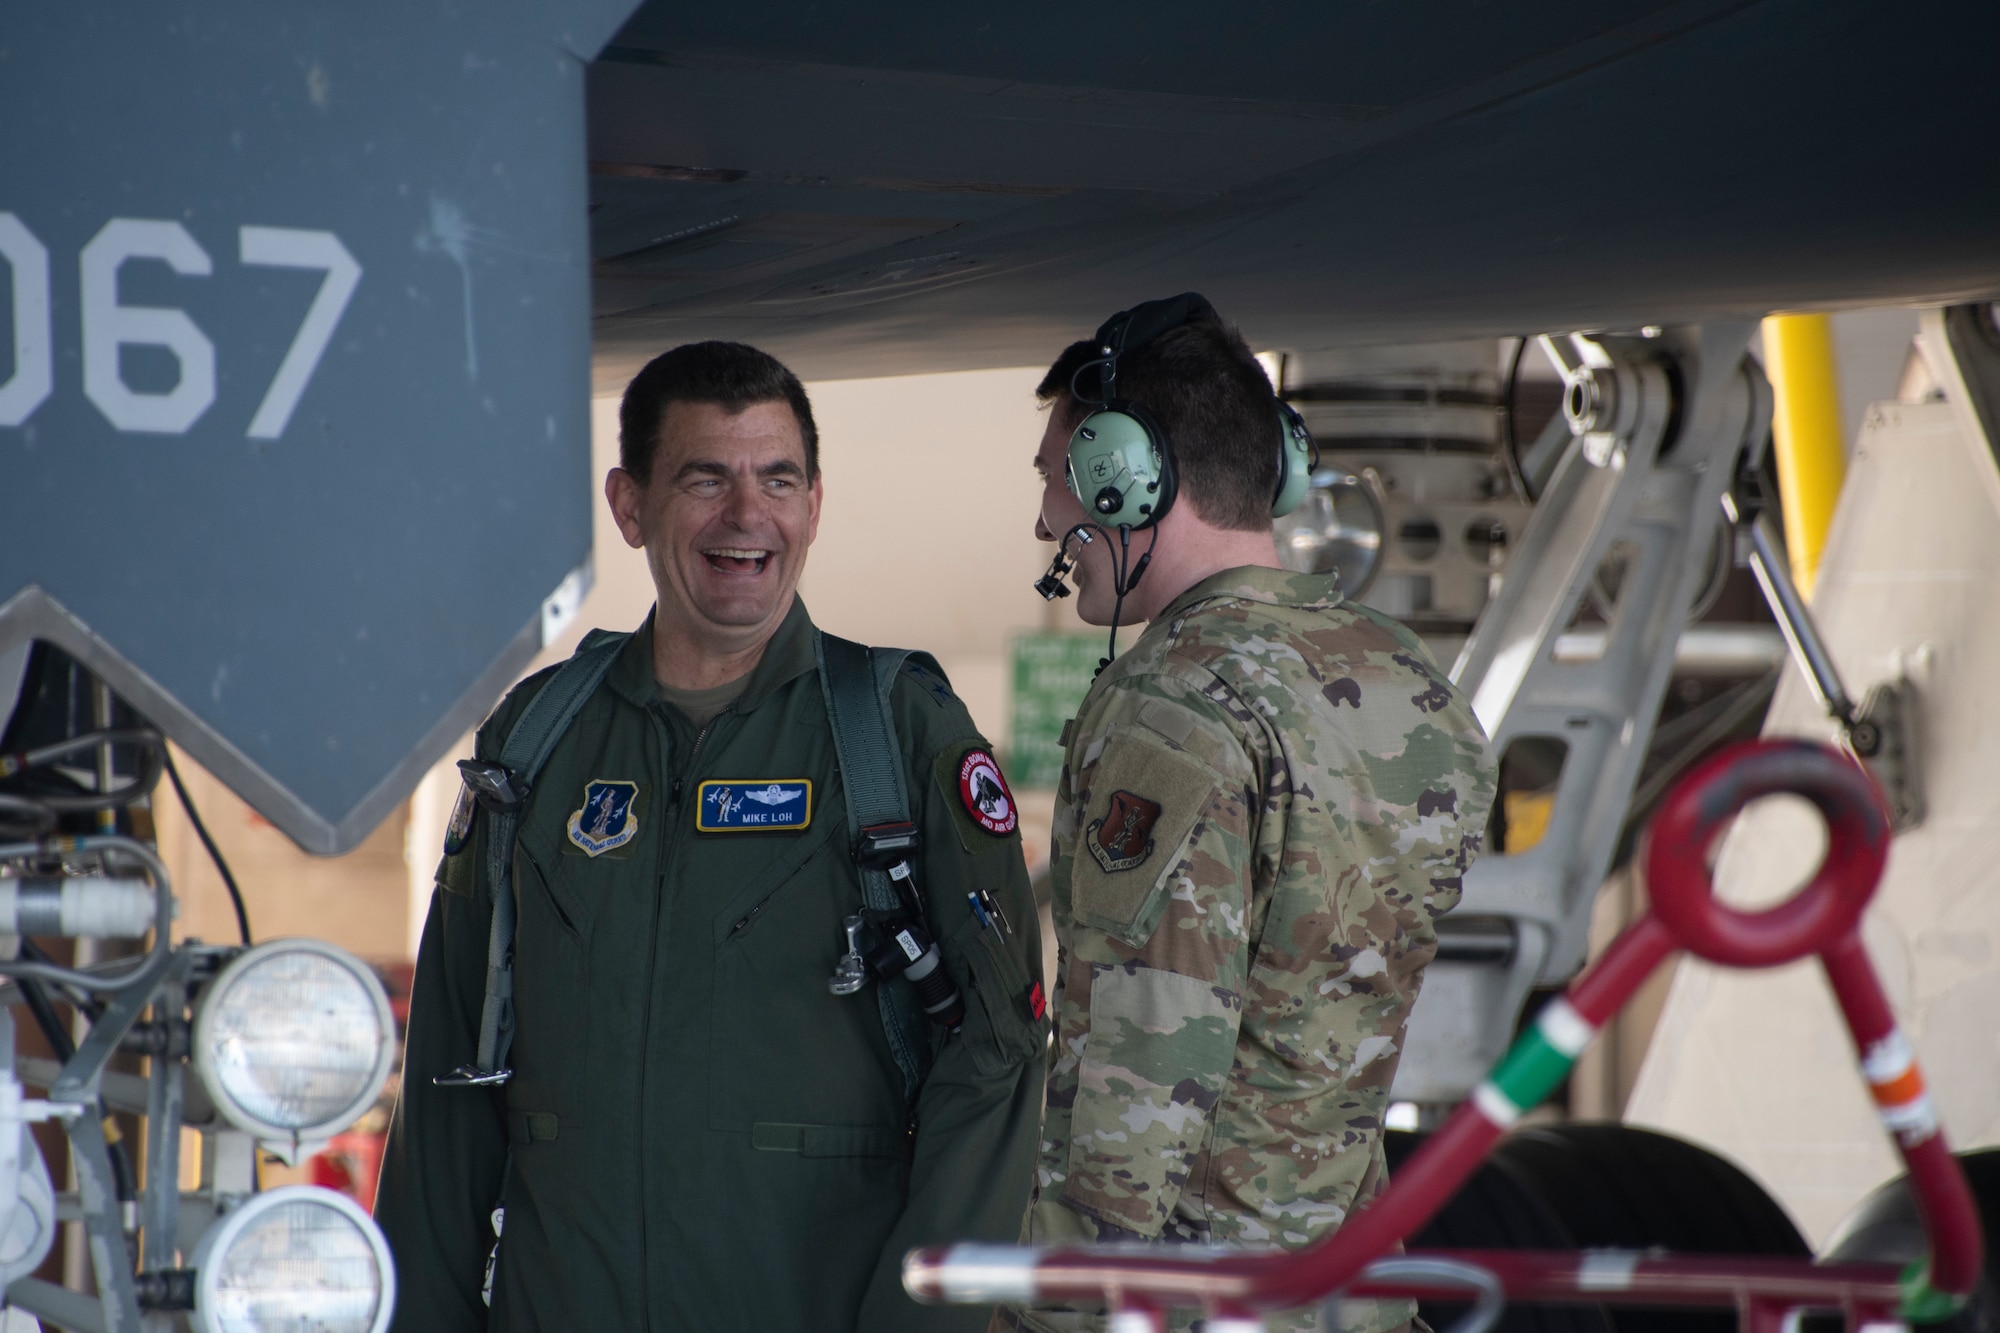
[{"x": 1701, "y": 804}]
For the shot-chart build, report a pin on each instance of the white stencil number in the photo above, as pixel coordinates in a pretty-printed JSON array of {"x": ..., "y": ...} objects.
[
  {"x": 34, "y": 350},
  {"x": 288, "y": 247},
  {"x": 110, "y": 325}
]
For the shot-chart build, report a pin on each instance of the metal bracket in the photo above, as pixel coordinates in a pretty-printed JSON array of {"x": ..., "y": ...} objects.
[
  {"x": 1889, "y": 713},
  {"x": 1881, "y": 732},
  {"x": 1657, "y": 426}
]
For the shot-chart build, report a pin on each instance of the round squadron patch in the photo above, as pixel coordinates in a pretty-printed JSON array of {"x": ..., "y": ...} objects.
[{"x": 985, "y": 794}]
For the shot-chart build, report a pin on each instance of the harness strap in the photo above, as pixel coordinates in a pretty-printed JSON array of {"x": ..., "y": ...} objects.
[
  {"x": 527, "y": 748},
  {"x": 856, "y": 681}
]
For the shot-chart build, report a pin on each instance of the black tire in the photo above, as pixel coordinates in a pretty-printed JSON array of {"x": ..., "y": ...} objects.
[
  {"x": 1884, "y": 1228},
  {"x": 1591, "y": 1186},
  {"x": 1613, "y": 1186},
  {"x": 1491, "y": 1211}
]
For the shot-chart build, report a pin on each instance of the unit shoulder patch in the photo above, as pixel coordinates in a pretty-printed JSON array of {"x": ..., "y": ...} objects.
[
  {"x": 458, "y": 829},
  {"x": 1123, "y": 839},
  {"x": 753, "y": 805},
  {"x": 983, "y": 791},
  {"x": 608, "y": 818}
]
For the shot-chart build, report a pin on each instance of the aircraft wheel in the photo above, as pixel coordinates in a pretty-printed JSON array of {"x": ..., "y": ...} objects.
[
  {"x": 1492, "y": 1211},
  {"x": 1590, "y": 1186},
  {"x": 1883, "y": 1228}
]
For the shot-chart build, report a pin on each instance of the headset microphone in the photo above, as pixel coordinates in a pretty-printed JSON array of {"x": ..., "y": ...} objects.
[{"x": 1051, "y": 585}]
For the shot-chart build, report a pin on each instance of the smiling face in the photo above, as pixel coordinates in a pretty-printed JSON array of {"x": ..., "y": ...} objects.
[
  {"x": 1062, "y": 511},
  {"x": 725, "y": 519}
]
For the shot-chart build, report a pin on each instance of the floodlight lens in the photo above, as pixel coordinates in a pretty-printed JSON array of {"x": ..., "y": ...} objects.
[
  {"x": 305, "y": 1260},
  {"x": 1337, "y": 529},
  {"x": 294, "y": 1041}
]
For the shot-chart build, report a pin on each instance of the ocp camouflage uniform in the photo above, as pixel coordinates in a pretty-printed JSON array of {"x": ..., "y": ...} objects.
[{"x": 1265, "y": 805}]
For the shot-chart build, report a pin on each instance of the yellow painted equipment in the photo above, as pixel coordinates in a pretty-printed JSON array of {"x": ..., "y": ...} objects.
[{"x": 1805, "y": 431}]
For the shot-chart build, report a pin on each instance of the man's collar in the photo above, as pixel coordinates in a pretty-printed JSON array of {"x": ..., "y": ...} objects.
[
  {"x": 788, "y": 654},
  {"x": 1258, "y": 583}
]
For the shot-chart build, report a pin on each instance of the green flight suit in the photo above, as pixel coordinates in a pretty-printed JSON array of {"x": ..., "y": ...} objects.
[{"x": 704, "y": 1139}]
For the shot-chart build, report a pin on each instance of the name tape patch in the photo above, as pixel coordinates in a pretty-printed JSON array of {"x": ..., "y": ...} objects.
[{"x": 753, "y": 805}]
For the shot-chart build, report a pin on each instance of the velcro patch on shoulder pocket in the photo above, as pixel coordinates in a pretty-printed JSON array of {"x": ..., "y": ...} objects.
[
  {"x": 1145, "y": 797},
  {"x": 1153, "y": 1067}
]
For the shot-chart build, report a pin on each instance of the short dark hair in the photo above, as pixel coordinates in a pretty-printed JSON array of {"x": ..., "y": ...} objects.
[
  {"x": 1203, "y": 385},
  {"x": 731, "y": 375}
]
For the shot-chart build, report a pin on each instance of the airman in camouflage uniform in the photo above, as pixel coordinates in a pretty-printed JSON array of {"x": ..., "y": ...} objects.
[{"x": 1265, "y": 805}]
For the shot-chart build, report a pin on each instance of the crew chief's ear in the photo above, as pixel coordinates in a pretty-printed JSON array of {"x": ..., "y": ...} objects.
[{"x": 621, "y": 492}]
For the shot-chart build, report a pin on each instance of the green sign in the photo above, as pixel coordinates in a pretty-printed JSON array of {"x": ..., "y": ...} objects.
[{"x": 1051, "y": 675}]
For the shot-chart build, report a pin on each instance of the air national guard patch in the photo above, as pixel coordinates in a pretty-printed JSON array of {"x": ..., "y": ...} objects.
[
  {"x": 760, "y": 805},
  {"x": 985, "y": 795},
  {"x": 1124, "y": 837},
  {"x": 607, "y": 819}
]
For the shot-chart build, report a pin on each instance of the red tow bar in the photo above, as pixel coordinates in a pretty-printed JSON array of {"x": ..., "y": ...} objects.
[{"x": 1823, "y": 918}]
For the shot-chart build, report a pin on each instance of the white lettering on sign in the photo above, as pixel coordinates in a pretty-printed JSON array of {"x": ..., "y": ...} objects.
[
  {"x": 287, "y": 247},
  {"x": 34, "y": 343},
  {"x": 109, "y": 325}
]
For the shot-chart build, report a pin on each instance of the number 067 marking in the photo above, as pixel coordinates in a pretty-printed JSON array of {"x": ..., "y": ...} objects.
[{"x": 109, "y": 325}]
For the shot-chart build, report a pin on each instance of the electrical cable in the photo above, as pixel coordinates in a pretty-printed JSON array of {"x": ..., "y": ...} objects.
[
  {"x": 44, "y": 1013},
  {"x": 81, "y": 1001},
  {"x": 40, "y": 819},
  {"x": 1121, "y": 586},
  {"x": 152, "y": 750},
  {"x": 214, "y": 852}
]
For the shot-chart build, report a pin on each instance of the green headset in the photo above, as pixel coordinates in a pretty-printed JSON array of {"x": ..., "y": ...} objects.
[{"x": 1121, "y": 463}]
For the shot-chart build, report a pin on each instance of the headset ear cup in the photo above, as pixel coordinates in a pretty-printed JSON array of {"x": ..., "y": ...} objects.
[
  {"x": 1298, "y": 455},
  {"x": 1118, "y": 468}
]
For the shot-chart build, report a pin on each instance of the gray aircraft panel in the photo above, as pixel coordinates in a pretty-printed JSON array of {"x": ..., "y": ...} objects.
[
  {"x": 1328, "y": 174},
  {"x": 294, "y": 392}
]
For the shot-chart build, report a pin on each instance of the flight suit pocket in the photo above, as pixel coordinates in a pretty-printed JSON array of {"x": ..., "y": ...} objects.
[
  {"x": 1001, "y": 1028},
  {"x": 1154, "y": 1065},
  {"x": 1144, "y": 800},
  {"x": 783, "y": 1049},
  {"x": 544, "y": 895}
]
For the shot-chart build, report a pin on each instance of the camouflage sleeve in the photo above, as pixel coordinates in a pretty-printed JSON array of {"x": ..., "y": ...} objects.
[{"x": 1165, "y": 806}]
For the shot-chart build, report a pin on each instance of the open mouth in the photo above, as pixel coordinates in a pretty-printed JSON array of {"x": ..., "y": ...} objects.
[{"x": 737, "y": 559}]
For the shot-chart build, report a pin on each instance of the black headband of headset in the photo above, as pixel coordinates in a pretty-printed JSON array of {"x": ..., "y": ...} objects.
[{"x": 1129, "y": 330}]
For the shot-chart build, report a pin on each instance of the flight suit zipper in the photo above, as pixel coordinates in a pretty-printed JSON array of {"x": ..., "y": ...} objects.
[{"x": 652, "y": 963}]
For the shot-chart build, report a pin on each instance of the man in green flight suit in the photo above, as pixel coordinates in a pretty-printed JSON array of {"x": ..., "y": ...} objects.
[
  {"x": 1265, "y": 804},
  {"x": 700, "y": 1133}
]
